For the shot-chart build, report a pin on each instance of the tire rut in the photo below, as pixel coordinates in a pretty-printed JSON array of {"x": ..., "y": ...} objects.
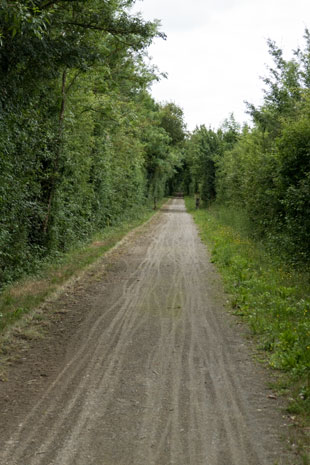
[{"x": 157, "y": 374}]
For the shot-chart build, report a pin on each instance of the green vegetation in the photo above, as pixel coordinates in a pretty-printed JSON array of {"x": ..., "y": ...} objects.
[
  {"x": 83, "y": 146},
  {"x": 24, "y": 296},
  {"x": 255, "y": 185},
  {"x": 273, "y": 298},
  {"x": 263, "y": 170},
  {"x": 82, "y": 141}
]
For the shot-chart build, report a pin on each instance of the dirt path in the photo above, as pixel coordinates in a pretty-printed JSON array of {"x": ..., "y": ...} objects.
[{"x": 145, "y": 367}]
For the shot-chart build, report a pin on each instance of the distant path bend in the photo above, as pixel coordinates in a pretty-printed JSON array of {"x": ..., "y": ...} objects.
[{"x": 157, "y": 373}]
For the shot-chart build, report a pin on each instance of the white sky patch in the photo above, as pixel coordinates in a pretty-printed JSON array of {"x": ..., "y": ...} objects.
[{"x": 216, "y": 51}]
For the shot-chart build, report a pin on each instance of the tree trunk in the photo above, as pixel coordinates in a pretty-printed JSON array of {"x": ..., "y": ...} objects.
[{"x": 57, "y": 157}]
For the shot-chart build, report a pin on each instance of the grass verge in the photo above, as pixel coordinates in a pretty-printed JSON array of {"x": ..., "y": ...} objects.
[
  {"x": 272, "y": 298},
  {"x": 20, "y": 298}
]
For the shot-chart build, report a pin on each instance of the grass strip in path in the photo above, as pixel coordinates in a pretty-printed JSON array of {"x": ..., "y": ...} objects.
[{"x": 272, "y": 298}]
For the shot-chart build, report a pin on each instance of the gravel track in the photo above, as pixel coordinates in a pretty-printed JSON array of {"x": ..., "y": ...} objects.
[{"x": 156, "y": 373}]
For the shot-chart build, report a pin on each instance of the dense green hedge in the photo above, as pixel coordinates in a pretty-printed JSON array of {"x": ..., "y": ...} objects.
[
  {"x": 81, "y": 140},
  {"x": 264, "y": 170}
]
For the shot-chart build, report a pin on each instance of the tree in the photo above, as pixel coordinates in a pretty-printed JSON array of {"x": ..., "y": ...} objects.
[
  {"x": 203, "y": 149},
  {"x": 72, "y": 107}
]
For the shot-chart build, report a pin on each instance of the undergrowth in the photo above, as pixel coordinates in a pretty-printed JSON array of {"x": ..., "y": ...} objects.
[
  {"x": 21, "y": 297},
  {"x": 272, "y": 297}
]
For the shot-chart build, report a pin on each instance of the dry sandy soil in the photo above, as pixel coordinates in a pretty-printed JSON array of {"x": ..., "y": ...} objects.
[{"x": 143, "y": 365}]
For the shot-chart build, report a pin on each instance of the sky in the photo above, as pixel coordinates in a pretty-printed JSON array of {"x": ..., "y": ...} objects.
[{"x": 216, "y": 52}]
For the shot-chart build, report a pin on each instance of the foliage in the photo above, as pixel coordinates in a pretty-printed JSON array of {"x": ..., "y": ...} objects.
[
  {"x": 82, "y": 142},
  {"x": 264, "y": 170},
  {"x": 163, "y": 136},
  {"x": 204, "y": 149}
]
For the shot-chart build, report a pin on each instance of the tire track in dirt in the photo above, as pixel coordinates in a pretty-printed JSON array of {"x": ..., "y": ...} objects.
[{"x": 156, "y": 374}]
